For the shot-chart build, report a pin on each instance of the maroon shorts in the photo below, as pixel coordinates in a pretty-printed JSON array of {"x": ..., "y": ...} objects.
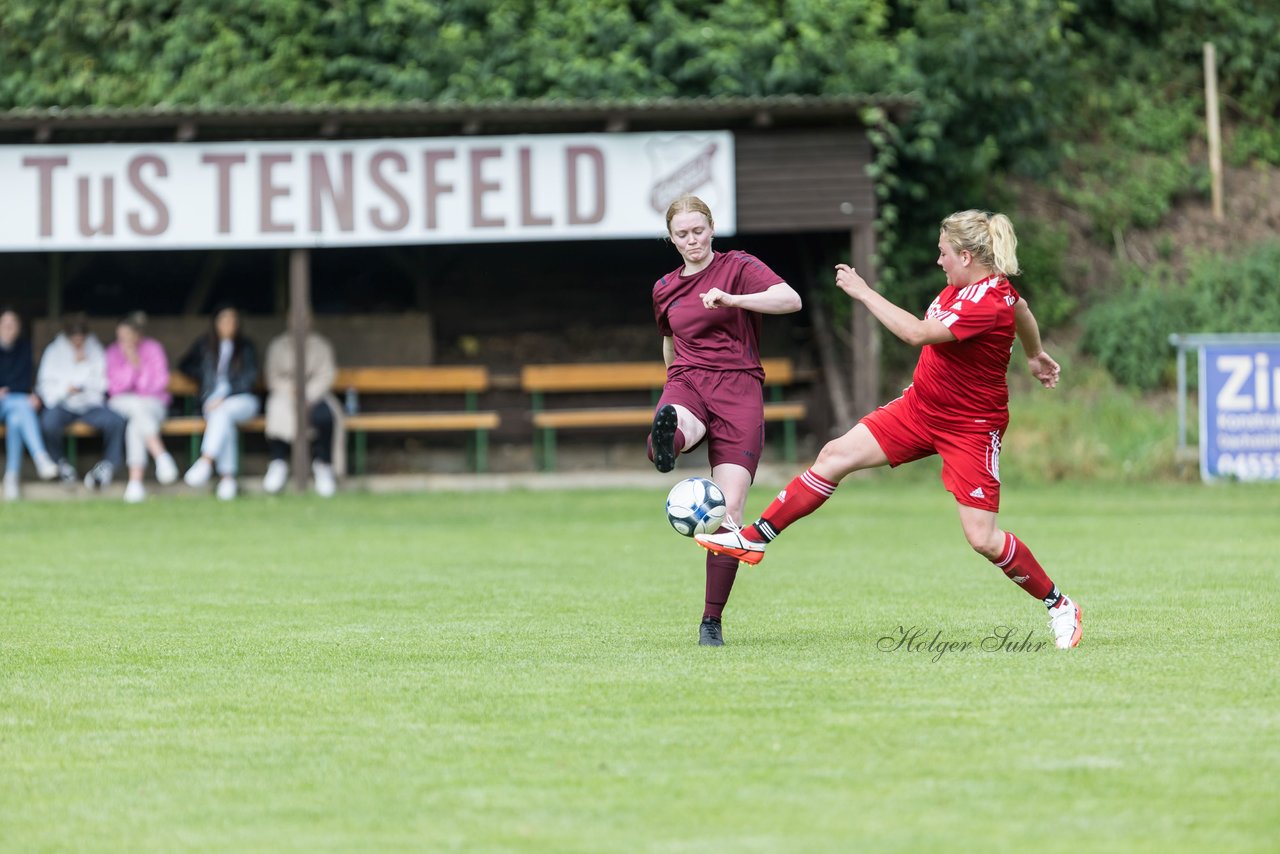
[
  {"x": 970, "y": 461},
  {"x": 731, "y": 404}
]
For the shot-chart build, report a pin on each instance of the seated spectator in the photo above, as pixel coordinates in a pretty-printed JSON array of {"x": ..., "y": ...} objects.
[
  {"x": 18, "y": 406},
  {"x": 138, "y": 383},
  {"x": 322, "y": 411},
  {"x": 225, "y": 365},
  {"x": 72, "y": 383}
]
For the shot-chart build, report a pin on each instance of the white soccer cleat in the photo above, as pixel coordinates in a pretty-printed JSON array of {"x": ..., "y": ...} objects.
[
  {"x": 1064, "y": 622},
  {"x": 199, "y": 474},
  {"x": 277, "y": 474},
  {"x": 732, "y": 543}
]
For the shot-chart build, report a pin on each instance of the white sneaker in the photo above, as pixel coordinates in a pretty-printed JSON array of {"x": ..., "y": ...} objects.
[
  {"x": 12, "y": 492},
  {"x": 1064, "y": 622},
  {"x": 46, "y": 467},
  {"x": 198, "y": 474},
  {"x": 166, "y": 469},
  {"x": 227, "y": 489},
  {"x": 134, "y": 492},
  {"x": 277, "y": 474},
  {"x": 326, "y": 486}
]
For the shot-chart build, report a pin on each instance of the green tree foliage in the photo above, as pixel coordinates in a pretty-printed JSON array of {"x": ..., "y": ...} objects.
[
  {"x": 994, "y": 81},
  {"x": 124, "y": 53},
  {"x": 1129, "y": 332}
]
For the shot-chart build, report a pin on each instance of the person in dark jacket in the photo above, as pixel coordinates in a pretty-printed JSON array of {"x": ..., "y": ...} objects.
[
  {"x": 225, "y": 365},
  {"x": 18, "y": 405}
]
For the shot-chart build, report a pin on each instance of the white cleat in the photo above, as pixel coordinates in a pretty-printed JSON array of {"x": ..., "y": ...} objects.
[
  {"x": 1064, "y": 622},
  {"x": 733, "y": 544}
]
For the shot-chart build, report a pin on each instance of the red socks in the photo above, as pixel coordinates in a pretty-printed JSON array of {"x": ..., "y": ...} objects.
[
  {"x": 1022, "y": 568},
  {"x": 801, "y": 497}
]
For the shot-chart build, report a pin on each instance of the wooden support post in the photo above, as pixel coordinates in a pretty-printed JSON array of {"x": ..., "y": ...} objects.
[
  {"x": 1215, "y": 130},
  {"x": 865, "y": 328},
  {"x": 299, "y": 327}
]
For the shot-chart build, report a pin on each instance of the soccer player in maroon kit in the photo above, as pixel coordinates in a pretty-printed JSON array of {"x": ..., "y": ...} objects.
[
  {"x": 956, "y": 407},
  {"x": 708, "y": 310}
]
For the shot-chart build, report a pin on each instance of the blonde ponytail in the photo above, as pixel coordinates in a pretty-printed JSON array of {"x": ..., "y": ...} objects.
[
  {"x": 989, "y": 238},
  {"x": 1004, "y": 246}
]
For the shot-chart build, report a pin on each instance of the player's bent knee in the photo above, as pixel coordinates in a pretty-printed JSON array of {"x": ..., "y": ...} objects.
[
  {"x": 843, "y": 456},
  {"x": 690, "y": 426},
  {"x": 831, "y": 459},
  {"x": 984, "y": 543}
]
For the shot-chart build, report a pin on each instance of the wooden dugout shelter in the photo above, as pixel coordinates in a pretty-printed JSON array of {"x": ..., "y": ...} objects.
[{"x": 783, "y": 165}]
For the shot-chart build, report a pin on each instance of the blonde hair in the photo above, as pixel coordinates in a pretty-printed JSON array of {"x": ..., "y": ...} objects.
[
  {"x": 989, "y": 238},
  {"x": 689, "y": 204}
]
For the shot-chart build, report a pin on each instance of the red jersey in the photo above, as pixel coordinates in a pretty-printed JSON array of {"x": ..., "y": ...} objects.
[
  {"x": 961, "y": 385},
  {"x": 720, "y": 339}
]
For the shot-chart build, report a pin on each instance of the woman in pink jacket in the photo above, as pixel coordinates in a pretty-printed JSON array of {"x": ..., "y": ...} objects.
[{"x": 138, "y": 385}]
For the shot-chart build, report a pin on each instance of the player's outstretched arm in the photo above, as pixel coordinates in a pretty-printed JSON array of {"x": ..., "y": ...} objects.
[
  {"x": 902, "y": 323},
  {"x": 1042, "y": 365}
]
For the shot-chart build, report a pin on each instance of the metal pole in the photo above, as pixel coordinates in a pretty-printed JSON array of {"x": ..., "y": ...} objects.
[
  {"x": 299, "y": 327},
  {"x": 1182, "y": 396}
]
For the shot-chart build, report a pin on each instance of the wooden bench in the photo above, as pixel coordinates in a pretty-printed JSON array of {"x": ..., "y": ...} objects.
[
  {"x": 541, "y": 380},
  {"x": 466, "y": 380},
  {"x": 469, "y": 381}
]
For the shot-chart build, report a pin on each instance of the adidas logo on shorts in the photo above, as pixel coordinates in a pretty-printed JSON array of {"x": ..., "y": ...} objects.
[{"x": 978, "y": 493}]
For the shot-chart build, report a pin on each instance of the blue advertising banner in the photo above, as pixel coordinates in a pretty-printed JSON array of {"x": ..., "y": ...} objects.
[{"x": 1240, "y": 411}]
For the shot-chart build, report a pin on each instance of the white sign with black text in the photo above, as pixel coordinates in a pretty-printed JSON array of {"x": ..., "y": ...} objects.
[{"x": 358, "y": 193}]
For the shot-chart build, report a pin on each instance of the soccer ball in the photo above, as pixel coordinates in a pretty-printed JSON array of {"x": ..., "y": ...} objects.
[{"x": 695, "y": 506}]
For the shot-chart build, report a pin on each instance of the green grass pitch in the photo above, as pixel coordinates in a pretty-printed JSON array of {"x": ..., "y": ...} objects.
[{"x": 519, "y": 671}]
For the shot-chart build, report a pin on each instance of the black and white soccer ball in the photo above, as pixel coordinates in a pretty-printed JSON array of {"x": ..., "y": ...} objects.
[{"x": 695, "y": 505}]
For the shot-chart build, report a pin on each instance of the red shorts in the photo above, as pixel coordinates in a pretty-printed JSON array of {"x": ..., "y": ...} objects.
[
  {"x": 731, "y": 404},
  {"x": 970, "y": 461}
]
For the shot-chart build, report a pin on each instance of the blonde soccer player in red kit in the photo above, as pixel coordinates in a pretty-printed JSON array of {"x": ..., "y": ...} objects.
[{"x": 956, "y": 407}]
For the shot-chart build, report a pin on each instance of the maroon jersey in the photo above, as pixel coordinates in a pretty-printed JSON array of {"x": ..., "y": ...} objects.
[
  {"x": 960, "y": 385},
  {"x": 720, "y": 339}
]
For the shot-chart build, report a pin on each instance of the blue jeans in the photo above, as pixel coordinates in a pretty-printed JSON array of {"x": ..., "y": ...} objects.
[
  {"x": 54, "y": 423},
  {"x": 221, "y": 437},
  {"x": 21, "y": 428}
]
